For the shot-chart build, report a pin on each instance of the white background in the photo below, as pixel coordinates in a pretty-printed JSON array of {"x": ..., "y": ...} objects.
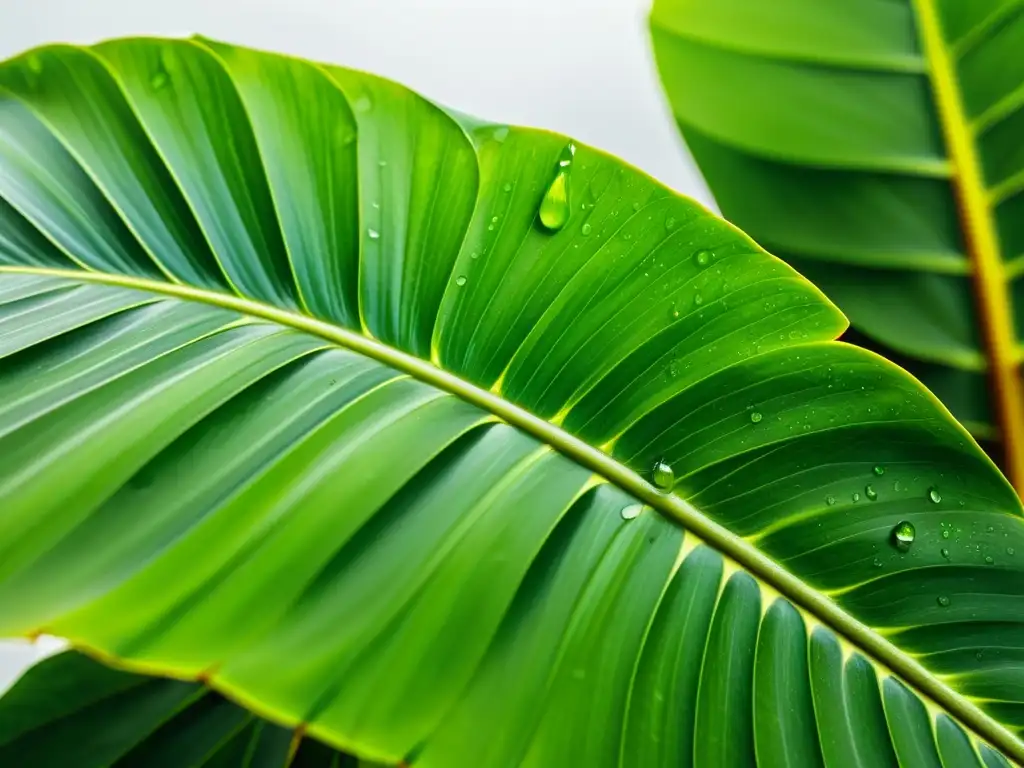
[{"x": 580, "y": 67}]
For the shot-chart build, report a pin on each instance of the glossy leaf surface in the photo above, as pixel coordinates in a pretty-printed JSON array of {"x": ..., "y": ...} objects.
[
  {"x": 877, "y": 146},
  {"x": 392, "y": 481}
]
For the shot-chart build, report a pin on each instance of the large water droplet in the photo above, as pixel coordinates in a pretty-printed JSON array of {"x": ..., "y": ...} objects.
[
  {"x": 830, "y": 500},
  {"x": 879, "y": 470},
  {"x": 663, "y": 475},
  {"x": 989, "y": 560},
  {"x": 944, "y": 552},
  {"x": 943, "y": 601},
  {"x": 373, "y": 234},
  {"x": 586, "y": 229},
  {"x": 632, "y": 511},
  {"x": 507, "y": 187},
  {"x": 460, "y": 280},
  {"x": 855, "y": 497},
  {"x": 554, "y": 207},
  {"x": 755, "y": 416},
  {"x": 933, "y": 494},
  {"x": 702, "y": 258},
  {"x": 903, "y": 535},
  {"x": 871, "y": 493}
]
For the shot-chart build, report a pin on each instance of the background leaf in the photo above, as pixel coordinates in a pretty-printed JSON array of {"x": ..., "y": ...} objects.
[
  {"x": 877, "y": 147},
  {"x": 414, "y": 511}
]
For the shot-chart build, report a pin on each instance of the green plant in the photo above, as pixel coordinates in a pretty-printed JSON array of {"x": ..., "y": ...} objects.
[
  {"x": 71, "y": 711},
  {"x": 877, "y": 147},
  {"x": 461, "y": 444}
]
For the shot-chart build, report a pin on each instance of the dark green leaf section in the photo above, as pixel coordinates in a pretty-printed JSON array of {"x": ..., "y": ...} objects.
[
  {"x": 72, "y": 711},
  {"x": 341, "y": 475},
  {"x": 816, "y": 128}
]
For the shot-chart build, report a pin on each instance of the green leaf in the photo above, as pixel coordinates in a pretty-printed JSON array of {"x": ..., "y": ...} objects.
[
  {"x": 71, "y": 710},
  {"x": 875, "y": 146},
  {"x": 387, "y": 473}
]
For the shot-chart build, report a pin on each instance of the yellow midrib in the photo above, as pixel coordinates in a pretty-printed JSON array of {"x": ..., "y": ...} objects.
[{"x": 980, "y": 237}]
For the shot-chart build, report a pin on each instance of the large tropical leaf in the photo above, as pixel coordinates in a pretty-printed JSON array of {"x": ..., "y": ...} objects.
[
  {"x": 72, "y": 711},
  {"x": 455, "y": 443},
  {"x": 879, "y": 147}
]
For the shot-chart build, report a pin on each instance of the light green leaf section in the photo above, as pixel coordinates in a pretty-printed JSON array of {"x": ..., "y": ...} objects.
[{"x": 379, "y": 465}]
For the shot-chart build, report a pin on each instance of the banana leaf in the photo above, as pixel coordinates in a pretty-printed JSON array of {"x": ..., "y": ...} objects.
[
  {"x": 70, "y": 710},
  {"x": 462, "y": 444},
  {"x": 876, "y": 146}
]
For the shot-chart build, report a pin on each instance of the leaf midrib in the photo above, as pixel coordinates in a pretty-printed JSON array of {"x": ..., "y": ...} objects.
[
  {"x": 690, "y": 518},
  {"x": 994, "y": 304}
]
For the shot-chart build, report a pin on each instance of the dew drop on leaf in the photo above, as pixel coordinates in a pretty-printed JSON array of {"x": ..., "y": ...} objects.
[
  {"x": 943, "y": 601},
  {"x": 698, "y": 299},
  {"x": 554, "y": 206},
  {"x": 586, "y": 229},
  {"x": 702, "y": 258},
  {"x": 373, "y": 234},
  {"x": 933, "y": 494},
  {"x": 159, "y": 79},
  {"x": 879, "y": 470},
  {"x": 855, "y": 497},
  {"x": 756, "y": 416},
  {"x": 631, "y": 511},
  {"x": 460, "y": 280},
  {"x": 871, "y": 493},
  {"x": 989, "y": 560},
  {"x": 670, "y": 223},
  {"x": 830, "y": 500},
  {"x": 663, "y": 475},
  {"x": 944, "y": 552},
  {"x": 903, "y": 535}
]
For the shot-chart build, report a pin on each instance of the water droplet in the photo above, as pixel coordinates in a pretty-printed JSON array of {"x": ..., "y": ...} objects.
[
  {"x": 670, "y": 222},
  {"x": 896, "y": 484},
  {"x": 586, "y": 229},
  {"x": 870, "y": 492},
  {"x": 830, "y": 500},
  {"x": 855, "y": 497},
  {"x": 632, "y": 511},
  {"x": 989, "y": 560},
  {"x": 945, "y": 533},
  {"x": 877, "y": 562},
  {"x": 943, "y": 601},
  {"x": 460, "y": 280},
  {"x": 507, "y": 187},
  {"x": 636, "y": 206},
  {"x": 879, "y": 470},
  {"x": 554, "y": 207},
  {"x": 382, "y": 163},
  {"x": 698, "y": 299},
  {"x": 978, "y": 655},
  {"x": 373, "y": 234},
  {"x": 702, "y": 258},
  {"x": 474, "y": 255},
  {"x": 755, "y": 416},
  {"x": 990, "y": 528},
  {"x": 663, "y": 475},
  {"x": 903, "y": 535},
  {"x": 1010, "y": 551},
  {"x": 944, "y": 552},
  {"x": 363, "y": 104},
  {"x": 673, "y": 311},
  {"x": 933, "y": 494},
  {"x": 159, "y": 79}
]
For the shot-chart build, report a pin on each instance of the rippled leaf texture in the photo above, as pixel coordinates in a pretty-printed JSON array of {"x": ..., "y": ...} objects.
[
  {"x": 299, "y": 398},
  {"x": 72, "y": 711},
  {"x": 877, "y": 145}
]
